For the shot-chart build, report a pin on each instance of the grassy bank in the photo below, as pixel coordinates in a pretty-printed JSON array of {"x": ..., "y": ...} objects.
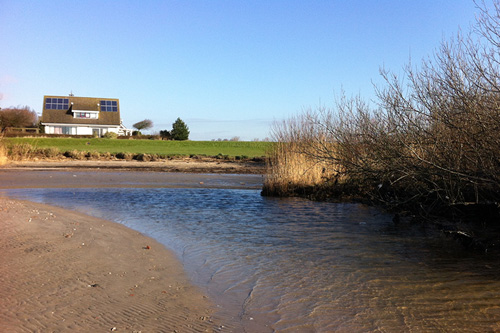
[{"x": 227, "y": 149}]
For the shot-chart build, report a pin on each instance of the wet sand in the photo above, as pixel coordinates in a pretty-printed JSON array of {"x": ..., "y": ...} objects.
[{"x": 61, "y": 270}]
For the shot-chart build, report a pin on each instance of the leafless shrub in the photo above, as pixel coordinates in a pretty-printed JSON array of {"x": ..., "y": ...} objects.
[
  {"x": 21, "y": 116},
  {"x": 431, "y": 142}
]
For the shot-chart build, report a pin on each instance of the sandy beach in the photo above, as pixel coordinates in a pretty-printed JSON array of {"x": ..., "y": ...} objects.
[{"x": 63, "y": 271}]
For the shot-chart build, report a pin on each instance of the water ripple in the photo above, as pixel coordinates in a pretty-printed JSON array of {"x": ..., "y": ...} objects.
[{"x": 295, "y": 265}]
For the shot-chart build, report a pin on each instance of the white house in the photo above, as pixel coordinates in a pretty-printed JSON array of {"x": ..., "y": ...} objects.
[{"x": 82, "y": 116}]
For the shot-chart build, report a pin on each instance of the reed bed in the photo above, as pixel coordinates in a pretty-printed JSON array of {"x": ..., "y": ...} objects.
[{"x": 288, "y": 169}]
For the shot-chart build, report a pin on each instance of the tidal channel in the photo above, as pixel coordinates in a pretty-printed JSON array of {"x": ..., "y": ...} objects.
[{"x": 293, "y": 265}]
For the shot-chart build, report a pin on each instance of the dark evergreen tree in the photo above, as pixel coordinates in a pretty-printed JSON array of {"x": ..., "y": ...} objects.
[
  {"x": 164, "y": 134},
  {"x": 180, "y": 131}
]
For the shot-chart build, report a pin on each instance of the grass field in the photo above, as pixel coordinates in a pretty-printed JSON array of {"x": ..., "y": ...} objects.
[{"x": 164, "y": 148}]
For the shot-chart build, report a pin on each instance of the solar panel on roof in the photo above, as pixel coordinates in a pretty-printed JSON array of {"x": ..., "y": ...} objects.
[
  {"x": 109, "y": 106},
  {"x": 56, "y": 103}
]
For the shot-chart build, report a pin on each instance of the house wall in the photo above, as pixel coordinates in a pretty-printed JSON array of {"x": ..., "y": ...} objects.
[{"x": 78, "y": 130}]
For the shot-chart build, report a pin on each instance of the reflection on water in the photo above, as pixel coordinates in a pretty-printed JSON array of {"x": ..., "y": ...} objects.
[{"x": 297, "y": 265}]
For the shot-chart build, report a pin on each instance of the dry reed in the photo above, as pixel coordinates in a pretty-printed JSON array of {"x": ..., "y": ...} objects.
[
  {"x": 3, "y": 152},
  {"x": 20, "y": 152},
  {"x": 295, "y": 162}
]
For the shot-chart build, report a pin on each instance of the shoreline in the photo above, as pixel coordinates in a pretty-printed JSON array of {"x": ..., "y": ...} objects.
[
  {"x": 63, "y": 270},
  {"x": 11, "y": 178},
  {"x": 187, "y": 165}
]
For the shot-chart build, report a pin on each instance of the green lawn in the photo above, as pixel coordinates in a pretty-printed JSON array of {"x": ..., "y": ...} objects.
[{"x": 165, "y": 148}]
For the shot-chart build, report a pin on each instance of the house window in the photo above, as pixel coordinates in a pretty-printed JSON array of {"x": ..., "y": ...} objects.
[
  {"x": 86, "y": 115},
  {"x": 57, "y": 103},
  {"x": 109, "y": 106},
  {"x": 68, "y": 130}
]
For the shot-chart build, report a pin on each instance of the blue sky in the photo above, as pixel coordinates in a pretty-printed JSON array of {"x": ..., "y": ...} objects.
[{"x": 227, "y": 68}]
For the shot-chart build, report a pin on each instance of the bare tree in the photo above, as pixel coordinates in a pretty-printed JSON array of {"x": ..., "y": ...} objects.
[
  {"x": 143, "y": 125},
  {"x": 430, "y": 142},
  {"x": 21, "y": 116}
]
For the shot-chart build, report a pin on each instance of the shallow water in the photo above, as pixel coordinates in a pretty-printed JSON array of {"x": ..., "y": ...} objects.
[{"x": 293, "y": 265}]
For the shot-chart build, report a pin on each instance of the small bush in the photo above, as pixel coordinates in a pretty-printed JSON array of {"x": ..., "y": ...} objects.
[
  {"x": 93, "y": 155},
  {"x": 220, "y": 156},
  {"x": 75, "y": 154},
  {"x": 156, "y": 157},
  {"x": 110, "y": 135},
  {"x": 143, "y": 157},
  {"x": 106, "y": 155},
  {"x": 223, "y": 157},
  {"x": 50, "y": 152},
  {"x": 124, "y": 156}
]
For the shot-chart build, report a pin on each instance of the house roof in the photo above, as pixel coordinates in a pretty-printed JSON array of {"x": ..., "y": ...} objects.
[{"x": 59, "y": 109}]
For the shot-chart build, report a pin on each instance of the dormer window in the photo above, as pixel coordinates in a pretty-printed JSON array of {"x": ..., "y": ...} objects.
[{"x": 84, "y": 114}]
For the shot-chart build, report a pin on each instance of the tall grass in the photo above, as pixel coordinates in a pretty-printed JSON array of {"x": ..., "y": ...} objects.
[
  {"x": 293, "y": 160},
  {"x": 20, "y": 152},
  {"x": 3, "y": 152}
]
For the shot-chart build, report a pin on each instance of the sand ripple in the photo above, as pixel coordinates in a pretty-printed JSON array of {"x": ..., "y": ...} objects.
[{"x": 62, "y": 271}]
